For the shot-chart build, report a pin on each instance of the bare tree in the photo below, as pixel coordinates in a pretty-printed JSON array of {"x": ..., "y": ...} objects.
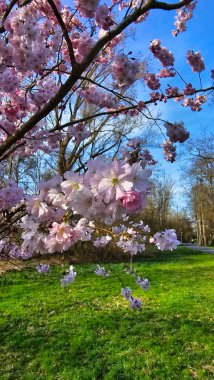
[{"x": 158, "y": 211}]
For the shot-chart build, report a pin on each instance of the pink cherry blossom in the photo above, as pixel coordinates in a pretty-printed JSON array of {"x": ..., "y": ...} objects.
[
  {"x": 162, "y": 53},
  {"x": 152, "y": 81},
  {"x": 139, "y": 176},
  {"x": 103, "y": 17},
  {"x": 183, "y": 15},
  {"x": 195, "y": 61},
  {"x": 176, "y": 132},
  {"x": 189, "y": 89},
  {"x": 10, "y": 195},
  {"x": 126, "y": 71},
  {"x": 166, "y": 73},
  {"x": 86, "y": 8},
  {"x": 169, "y": 151},
  {"x": 166, "y": 240},
  {"x": 114, "y": 183},
  {"x": 133, "y": 201},
  {"x": 99, "y": 98},
  {"x": 69, "y": 277},
  {"x": 195, "y": 103},
  {"x": 102, "y": 241},
  {"x": 73, "y": 184}
]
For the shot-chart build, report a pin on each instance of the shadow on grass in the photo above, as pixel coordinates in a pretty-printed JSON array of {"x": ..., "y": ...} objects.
[
  {"x": 108, "y": 343},
  {"x": 89, "y": 332}
]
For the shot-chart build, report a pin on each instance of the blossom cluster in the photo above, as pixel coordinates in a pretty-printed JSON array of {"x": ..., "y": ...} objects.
[
  {"x": 54, "y": 222},
  {"x": 102, "y": 241},
  {"x": 12, "y": 250},
  {"x": 134, "y": 303},
  {"x": 172, "y": 91},
  {"x": 189, "y": 89},
  {"x": 195, "y": 103},
  {"x": 176, "y": 132},
  {"x": 162, "y": 53},
  {"x": 166, "y": 73},
  {"x": 152, "y": 81},
  {"x": 133, "y": 152},
  {"x": 126, "y": 71},
  {"x": 196, "y": 61},
  {"x": 103, "y": 17},
  {"x": 79, "y": 132},
  {"x": 26, "y": 37},
  {"x": 183, "y": 15},
  {"x": 144, "y": 284},
  {"x": 86, "y": 8},
  {"x": 10, "y": 195},
  {"x": 105, "y": 192},
  {"x": 35, "y": 59},
  {"x": 82, "y": 43},
  {"x": 131, "y": 238},
  {"x": 99, "y": 98},
  {"x": 166, "y": 240},
  {"x": 169, "y": 151}
]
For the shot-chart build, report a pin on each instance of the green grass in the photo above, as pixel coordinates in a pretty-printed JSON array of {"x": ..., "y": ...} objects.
[{"x": 87, "y": 331}]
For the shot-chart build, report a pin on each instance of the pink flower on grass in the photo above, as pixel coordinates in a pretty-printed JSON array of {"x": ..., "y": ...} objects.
[
  {"x": 143, "y": 283},
  {"x": 43, "y": 268},
  {"x": 126, "y": 293},
  {"x": 69, "y": 277},
  {"x": 135, "y": 303},
  {"x": 100, "y": 271}
]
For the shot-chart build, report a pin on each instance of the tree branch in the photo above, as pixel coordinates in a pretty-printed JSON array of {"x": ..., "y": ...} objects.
[
  {"x": 80, "y": 68},
  {"x": 64, "y": 31},
  {"x": 124, "y": 109}
]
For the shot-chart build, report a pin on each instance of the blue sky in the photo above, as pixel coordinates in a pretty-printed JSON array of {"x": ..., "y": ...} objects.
[{"x": 198, "y": 37}]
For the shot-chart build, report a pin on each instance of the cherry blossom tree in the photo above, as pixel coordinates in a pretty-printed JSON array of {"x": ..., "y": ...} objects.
[{"x": 57, "y": 60}]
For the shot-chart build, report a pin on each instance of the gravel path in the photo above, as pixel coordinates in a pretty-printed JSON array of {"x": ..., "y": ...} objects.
[{"x": 199, "y": 248}]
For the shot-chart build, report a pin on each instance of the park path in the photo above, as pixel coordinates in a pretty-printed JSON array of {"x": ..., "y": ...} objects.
[{"x": 199, "y": 248}]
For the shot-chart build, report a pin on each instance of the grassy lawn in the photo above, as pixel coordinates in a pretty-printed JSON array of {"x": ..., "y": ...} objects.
[{"x": 88, "y": 331}]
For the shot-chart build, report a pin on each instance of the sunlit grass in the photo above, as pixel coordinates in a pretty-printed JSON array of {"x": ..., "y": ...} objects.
[{"x": 88, "y": 331}]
